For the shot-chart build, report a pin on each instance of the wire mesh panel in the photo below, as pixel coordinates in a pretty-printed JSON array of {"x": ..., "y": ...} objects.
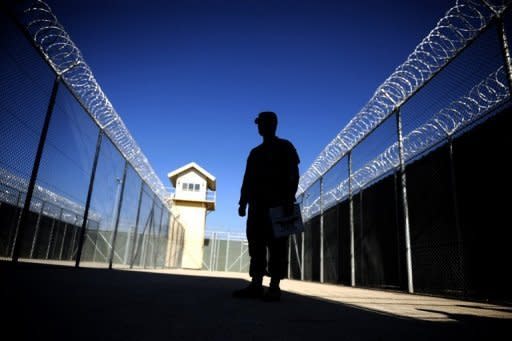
[
  {"x": 467, "y": 88},
  {"x": 344, "y": 269},
  {"x": 142, "y": 234},
  {"x": 295, "y": 243},
  {"x": 376, "y": 155},
  {"x": 360, "y": 265},
  {"x": 23, "y": 106},
  {"x": 308, "y": 252},
  {"x": 379, "y": 236},
  {"x": 331, "y": 245},
  {"x": 32, "y": 52},
  {"x": 483, "y": 185},
  {"x": 435, "y": 235},
  {"x": 175, "y": 244},
  {"x": 311, "y": 201},
  {"x": 162, "y": 238},
  {"x": 312, "y": 249},
  {"x": 225, "y": 251},
  {"x": 104, "y": 203},
  {"x": 127, "y": 219},
  {"x": 335, "y": 184},
  {"x": 64, "y": 173}
]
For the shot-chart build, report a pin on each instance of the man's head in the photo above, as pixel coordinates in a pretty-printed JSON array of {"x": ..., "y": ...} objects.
[{"x": 267, "y": 123}]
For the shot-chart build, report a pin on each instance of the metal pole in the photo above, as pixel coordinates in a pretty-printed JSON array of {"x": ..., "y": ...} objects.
[
  {"x": 505, "y": 51},
  {"x": 500, "y": 26},
  {"x": 51, "y": 234},
  {"x": 289, "y": 257},
  {"x": 118, "y": 215},
  {"x": 157, "y": 238},
  {"x": 95, "y": 244},
  {"x": 338, "y": 242},
  {"x": 302, "y": 256},
  {"x": 171, "y": 251},
  {"x": 241, "y": 253},
  {"x": 12, "y": 231},
  {"x": 81, "y": 238},
  {"x": 456, "y": 212},
  {"x": 403, "y": 183},
  {"x": 212, "y": 240},
  {"x": 227, "y": 252},
  {"x": 145, "y": 240},
  {"x": 217, "y": 253},
  {"x": 321, "y": 230},
  {"x": 23, "y": 221},
  {"x": 351, "y": 216},
  {"x": 73, "y": 241},
  {"x": 50, "y": 240},
  {"x": 135, "y": 236},
  {"x": 127, "y": 246},
  {"x": 63, "y": 241},
  {"x": 36, "y": 231}
]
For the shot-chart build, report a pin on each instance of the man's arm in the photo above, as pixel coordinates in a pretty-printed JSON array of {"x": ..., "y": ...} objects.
[{"x": 245, "y": 190}]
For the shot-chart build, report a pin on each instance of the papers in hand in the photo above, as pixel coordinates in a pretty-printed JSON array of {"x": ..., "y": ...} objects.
[{"x": 285, "y": 225}]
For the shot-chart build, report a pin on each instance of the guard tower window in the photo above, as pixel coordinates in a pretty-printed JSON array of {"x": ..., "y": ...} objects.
[{"x": 190, "y": 187}]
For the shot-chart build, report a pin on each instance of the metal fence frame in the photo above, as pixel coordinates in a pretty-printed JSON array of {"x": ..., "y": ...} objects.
[
  {"x": 315, "y": 175},
  {"x": 152, "y": 243}
]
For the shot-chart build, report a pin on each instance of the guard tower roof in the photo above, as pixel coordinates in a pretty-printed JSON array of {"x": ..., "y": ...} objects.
[{"x": 211, "y": 181}]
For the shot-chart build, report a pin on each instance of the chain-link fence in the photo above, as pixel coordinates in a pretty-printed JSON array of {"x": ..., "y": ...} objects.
[
  {"x": 74, "y": 188},
  {"x": 409, "y": 195},
  {"x": 225, "y": 251}
]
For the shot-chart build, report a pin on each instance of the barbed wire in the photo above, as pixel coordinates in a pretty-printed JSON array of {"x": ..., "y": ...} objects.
[
  {"x": 482, "y": 98},
  {"x": 13, "y": 185},
  {"x": 453, "y": 32},
  {"x": 67, "y": 61}
]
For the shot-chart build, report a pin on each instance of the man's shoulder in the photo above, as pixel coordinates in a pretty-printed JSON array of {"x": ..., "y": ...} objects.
[{"x": 285, "y": 143}]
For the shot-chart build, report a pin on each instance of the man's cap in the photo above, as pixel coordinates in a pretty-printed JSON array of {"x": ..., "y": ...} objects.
[{"x": 266, "y": 116}]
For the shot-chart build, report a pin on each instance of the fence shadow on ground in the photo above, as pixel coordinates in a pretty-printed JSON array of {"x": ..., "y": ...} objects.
[{"x": 63, "y": 303}]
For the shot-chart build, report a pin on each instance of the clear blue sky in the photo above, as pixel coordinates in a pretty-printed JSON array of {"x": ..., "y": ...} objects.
[{"x": 188, "y": 77}]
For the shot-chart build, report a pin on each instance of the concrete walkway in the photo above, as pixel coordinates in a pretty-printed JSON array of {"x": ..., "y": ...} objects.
[{"x": 62, "y": 303}]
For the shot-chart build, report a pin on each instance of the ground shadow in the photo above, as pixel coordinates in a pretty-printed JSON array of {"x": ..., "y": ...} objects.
[{"x": 63, "y": 303}]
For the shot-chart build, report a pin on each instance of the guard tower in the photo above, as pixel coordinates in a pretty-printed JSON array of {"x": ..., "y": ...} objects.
[{"x": 193, "y": 198}]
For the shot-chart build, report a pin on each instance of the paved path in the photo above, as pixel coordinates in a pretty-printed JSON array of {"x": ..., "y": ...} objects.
[{"x": 62, "y": 303}]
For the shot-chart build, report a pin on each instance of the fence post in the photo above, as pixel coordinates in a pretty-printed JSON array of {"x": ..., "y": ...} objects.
[
  {"x": 157, "y": 237},
  {"x": 227, "y": 252},
  {"x": 118, "y": 214},
  {"x": 73, "y": 241},
  {"x": 289, "y": 257},
  {"x": 135, "y": 236},
  {"x": 81, "y": 238},
  {"x": 321, "y": 230},
  {"x": 23, "y": 220},
  {"x": 241, "y": 253},
  {"x": 36, "y": 231},
  {"x": 453, "y": 183},
  {"x": 12, "y": 231},
  {"x": 405, "y": 205},
  {"x": 51, "y": 233},
  {"x": 146, "y": 239},
  {"x": 61, "y": 251},
  {"x": 351, "y": 216},
  {"x": 505, "y": 48},
  {"x": 302, "y": 256},
  {"x": 212, "y": 244}
]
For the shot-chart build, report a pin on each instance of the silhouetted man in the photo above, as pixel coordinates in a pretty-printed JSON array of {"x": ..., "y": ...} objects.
[{"x": 270, "y": 180}]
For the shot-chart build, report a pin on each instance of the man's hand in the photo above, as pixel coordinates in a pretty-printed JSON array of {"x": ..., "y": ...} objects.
[{"x": 241, "y": 210}]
